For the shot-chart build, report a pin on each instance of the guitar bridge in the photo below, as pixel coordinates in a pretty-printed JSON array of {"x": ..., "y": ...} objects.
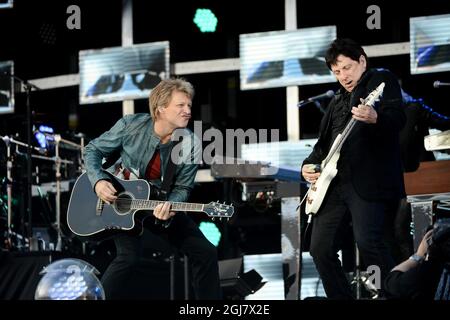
[{"x": 99, "y": 207}]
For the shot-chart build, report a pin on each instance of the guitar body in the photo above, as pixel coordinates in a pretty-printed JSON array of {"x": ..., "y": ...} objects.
[
  {"x": 87, "y": 215},
  {"x": 318, "y": 190}
]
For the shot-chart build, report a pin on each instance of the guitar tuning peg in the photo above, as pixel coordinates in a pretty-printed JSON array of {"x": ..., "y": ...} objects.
[{"x": 213, "y": 218}]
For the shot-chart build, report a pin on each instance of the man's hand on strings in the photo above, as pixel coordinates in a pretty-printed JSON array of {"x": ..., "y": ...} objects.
[
  {"x": 105, "y": 191},
  {"x": 365, "y": 113},
  {"x": 162, "y": 211}
]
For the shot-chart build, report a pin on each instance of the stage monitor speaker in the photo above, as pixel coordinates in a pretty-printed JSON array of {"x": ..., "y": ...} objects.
[{"x": 235, "y": 284}]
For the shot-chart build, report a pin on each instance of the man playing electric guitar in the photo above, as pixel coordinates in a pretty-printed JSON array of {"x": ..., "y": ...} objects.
[
  {"x": 145, "y": 145},
  {"x": 369, "y": 171}
]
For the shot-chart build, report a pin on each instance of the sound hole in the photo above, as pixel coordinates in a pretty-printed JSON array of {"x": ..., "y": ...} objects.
[{"x": 123, "y": 203}]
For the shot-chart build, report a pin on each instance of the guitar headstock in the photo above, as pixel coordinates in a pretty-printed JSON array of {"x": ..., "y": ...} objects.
[
  {"x": 218, "y": 210},
  {"x": 374, "y": 95}
]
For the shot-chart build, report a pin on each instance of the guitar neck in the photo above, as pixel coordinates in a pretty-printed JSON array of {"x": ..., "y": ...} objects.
[
  {"x": 336, "y": 147},
  {"x": 175, "y": 206},
  {"x": 337, "y": 144}
]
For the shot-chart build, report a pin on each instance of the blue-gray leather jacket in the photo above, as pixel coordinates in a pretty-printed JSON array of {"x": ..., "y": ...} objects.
[{"x": 134, "y": 138}]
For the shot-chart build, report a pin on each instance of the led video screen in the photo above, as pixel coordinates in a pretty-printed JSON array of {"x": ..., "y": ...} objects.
[
  {"x": 429, "y": 44},
  {"x": 122, "y": 73},
  {"x": 285, "y": 58}
]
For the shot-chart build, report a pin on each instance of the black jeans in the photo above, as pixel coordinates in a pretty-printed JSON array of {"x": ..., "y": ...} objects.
[
  {"x": 341, "y": 204},
  {"x": 184, "y": 234}
]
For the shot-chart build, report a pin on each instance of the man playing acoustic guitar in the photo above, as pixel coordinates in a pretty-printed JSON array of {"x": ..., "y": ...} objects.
[
  {"x": 369, "y": 170},
  {"x": 145, "y": 145}
]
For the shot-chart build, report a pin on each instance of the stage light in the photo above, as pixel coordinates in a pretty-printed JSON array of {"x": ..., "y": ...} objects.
[
  {"x": 235, "y": 284},
  {"x": 211, "y": 232},
  {"x": 69, "y": 279},
  {"x": 43, "y": 135},
  {"x": 46, "y": 129},
  {"x": 40, "y": 137},
  {"x": 205, "y": 20}
]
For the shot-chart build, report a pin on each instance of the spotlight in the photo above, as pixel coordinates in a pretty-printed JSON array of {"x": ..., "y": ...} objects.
[
  {"x": 211, "y": 232},
  {"x": 205, "y": 20}
]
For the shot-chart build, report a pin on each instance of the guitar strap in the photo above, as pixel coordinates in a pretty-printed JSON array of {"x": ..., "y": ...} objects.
[
  {"x": 163, "y": 191},
  {"x": 112, "y": 159},
  {"x": 168, "y": 173}
]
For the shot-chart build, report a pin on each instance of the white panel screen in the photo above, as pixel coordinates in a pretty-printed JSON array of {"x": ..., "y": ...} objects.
[
  {"x": 430, "y": 44},
  {"x": 285, "y": 58},
  {"x": 122, "y": 73}
]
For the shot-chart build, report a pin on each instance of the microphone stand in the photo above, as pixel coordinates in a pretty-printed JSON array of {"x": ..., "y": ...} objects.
[
  {"x": 319, "y": 106},
  {"x": 58, "y": 192},
  {"x": 81, "y": 153},
  {"x": 9, "y": 183},
  {"x": 316, "y": 103}
]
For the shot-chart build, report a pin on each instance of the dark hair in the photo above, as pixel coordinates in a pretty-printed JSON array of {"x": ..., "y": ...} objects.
[{"x": 346, "y": 47}]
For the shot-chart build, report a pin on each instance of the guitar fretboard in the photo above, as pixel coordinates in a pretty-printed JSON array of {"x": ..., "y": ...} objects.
[
  {"x": 344, "y": 135},
  {"x": 175, "y": 206}
]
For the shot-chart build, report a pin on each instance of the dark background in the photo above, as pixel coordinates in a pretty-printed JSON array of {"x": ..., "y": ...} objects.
[{"x": 35, "y": 36}]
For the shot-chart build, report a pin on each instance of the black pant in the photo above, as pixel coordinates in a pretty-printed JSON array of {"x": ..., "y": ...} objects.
[
  {"x": 341, "y": 204},
  {"x": 185, "y": 235}
]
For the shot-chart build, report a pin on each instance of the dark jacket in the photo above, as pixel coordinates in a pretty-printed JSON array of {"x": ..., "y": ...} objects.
[
  {"x": 371, "y": 152},
  {"x": 419, "y": 283}
]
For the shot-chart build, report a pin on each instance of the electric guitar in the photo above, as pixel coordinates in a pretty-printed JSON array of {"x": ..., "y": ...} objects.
[
  {"x": 318, "y": 190},
  {"x": 89, "y": 216}
]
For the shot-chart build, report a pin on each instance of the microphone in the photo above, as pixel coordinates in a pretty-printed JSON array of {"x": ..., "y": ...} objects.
[
  {"x": 438, "y": 84},
  {"x": 328, "y": 94}
]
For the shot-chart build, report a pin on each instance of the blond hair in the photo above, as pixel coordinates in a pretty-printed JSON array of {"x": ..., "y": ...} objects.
[{"x": 160, "y": 95}]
